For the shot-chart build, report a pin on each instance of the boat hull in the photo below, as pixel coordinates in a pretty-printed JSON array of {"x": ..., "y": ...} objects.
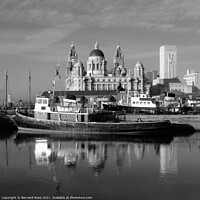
[{"x": 104, "y": 128}]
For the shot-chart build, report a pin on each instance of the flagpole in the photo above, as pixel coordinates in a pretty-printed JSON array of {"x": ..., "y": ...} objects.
[{"x": 6, "y": 97}]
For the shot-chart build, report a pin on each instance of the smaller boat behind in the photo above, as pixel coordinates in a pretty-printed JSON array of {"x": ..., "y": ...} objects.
[{"x": 139, "y": 103}]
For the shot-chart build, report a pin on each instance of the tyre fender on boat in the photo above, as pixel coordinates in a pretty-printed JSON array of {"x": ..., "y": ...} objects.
[{"x": 139, "y": 120}]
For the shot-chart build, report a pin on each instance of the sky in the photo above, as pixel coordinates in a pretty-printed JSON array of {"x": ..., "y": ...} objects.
[{"x": 35, "y": 35}]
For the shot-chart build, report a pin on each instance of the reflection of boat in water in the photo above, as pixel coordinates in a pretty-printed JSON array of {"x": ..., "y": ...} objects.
[
  {"x": 70, "y": 153},
  {"x": 6, "y": 134},
  {"x": 23, "y": 137}
]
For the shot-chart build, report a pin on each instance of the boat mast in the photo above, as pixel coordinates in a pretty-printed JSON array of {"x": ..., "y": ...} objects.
[
  {"x": 128, "y": 86},
  {"x": 6, "y": 97},
  {"x": 29, "y": 92},
  {"x": 54, "y": 87},
  {"x": 128, "y": 93}
]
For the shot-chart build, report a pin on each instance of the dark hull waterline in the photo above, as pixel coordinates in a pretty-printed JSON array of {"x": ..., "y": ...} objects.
[{"x": 28, "y": 124}]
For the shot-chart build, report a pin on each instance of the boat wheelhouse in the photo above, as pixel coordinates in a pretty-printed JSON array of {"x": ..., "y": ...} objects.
[{"x": 51, "y": 109}]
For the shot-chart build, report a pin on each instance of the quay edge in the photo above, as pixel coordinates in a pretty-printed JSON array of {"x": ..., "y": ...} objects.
[{"x": 192, "y": 120}]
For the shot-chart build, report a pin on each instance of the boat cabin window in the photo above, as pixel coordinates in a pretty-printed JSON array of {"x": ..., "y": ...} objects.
[
  {"x": 148, "y": 102},
  {"x": 70, "y": 104},
  {"x": 141, "y": 102},
  {"x": 137, "y": 102},
  {"x": 44, "y": 101},
  {"x": 43, "y": 108},
  {"x": 39, "y": 101},
  {"x": 133, "y": 102}
]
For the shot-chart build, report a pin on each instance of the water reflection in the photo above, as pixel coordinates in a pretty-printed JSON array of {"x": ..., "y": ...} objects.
[
  {"x": 60, "y": 166},
  {"x": 168, "y": 159},
  {"x": 71, "y": 153}
]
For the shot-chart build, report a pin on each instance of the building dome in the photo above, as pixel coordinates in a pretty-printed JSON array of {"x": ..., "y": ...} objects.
[{"x": 96, "y": 52}]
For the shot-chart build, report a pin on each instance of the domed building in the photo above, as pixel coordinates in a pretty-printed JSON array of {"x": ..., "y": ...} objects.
[
  {"x": 97, "y": 77},
  {"x": 139, "y": 77},
  {"x": 96, "y": 63}
]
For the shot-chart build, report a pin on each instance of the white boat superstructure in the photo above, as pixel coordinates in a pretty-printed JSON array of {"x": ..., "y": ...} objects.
[
  {"x": 141, "y": 101},
  {"x": 56, "y": 109}
]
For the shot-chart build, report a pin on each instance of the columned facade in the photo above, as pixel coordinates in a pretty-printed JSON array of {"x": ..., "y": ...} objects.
[{"x": 98, "y": 77}]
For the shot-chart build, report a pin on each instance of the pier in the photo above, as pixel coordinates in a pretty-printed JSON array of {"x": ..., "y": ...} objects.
[{"x": 193, "y": 120}]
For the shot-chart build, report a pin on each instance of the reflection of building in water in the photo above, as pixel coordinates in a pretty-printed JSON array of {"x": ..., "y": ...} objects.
[
  {"x": 120, "y": 153},
  {"x": 97, "y": 156},
  {"x": 68, "y": 151},
  {"x": 42, "y": 152},
  {"x": 168, "y": 159},
  {"x": 139, "y": 150}
]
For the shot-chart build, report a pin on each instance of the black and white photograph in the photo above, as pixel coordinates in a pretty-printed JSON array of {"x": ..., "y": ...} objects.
[{"x": 99, "y": 99}]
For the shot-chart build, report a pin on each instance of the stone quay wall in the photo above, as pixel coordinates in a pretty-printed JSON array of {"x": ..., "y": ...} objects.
[{"x": 193, "y": 120}]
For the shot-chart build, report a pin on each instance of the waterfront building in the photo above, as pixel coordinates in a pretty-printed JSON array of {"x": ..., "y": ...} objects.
[
  {"x": 152, "y": 75},
  {"x": 97, "y": 77},
  {"x": 166, "y": 81},
  {"x": 168, "y": 62},
  {"x": 192, "y": 78},
  {"x": 182, "y": 87},
  {"x": 162, "y": 85},
  {"x": 74, "y": 71}
]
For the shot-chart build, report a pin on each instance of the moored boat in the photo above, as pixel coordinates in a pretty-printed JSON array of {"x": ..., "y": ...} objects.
[
  {"x": 65, "y": 115},
  {"x": 138, "y": 103},
  {"x": 26, "y": 123}
]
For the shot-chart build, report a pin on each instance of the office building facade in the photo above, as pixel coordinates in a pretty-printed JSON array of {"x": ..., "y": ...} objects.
[{"x": 168, "y": 62}]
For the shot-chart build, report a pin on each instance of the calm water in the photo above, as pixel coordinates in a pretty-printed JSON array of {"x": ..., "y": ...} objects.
[{"x": 70, "y": 169}]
